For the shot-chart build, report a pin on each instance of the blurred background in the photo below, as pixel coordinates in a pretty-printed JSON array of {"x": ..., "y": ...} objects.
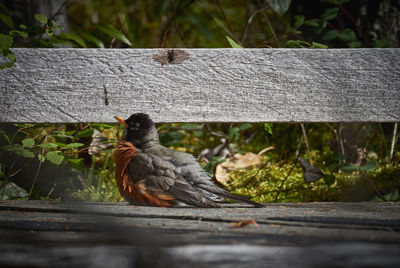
[{"x": 265, "y": 162}]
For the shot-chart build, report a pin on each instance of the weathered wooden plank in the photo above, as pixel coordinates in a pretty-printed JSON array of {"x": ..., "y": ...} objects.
[
  {"x": 324, "y": 221},
  {"x": 288, "y": 231},
  {"x": 239, "y": 255},
  {"x": 217, "y": 85}
]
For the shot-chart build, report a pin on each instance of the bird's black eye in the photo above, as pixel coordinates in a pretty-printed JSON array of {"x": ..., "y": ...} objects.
[{"x": 135, "y": 126}]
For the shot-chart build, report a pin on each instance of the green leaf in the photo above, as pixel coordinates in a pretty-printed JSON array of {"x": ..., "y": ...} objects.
[
  {"x": 392, "y": 196},
  {"x": 336, "y": 2},
  {"x": 330, "y": 35},
  {"x": 26, "y": 153},
  {"x": 244, "y": 126},
  {"x": 330, "y": 13},
  {"x": 5, "y": 42},
  {"x": 97, "y": 126},
  {"x": 111, "y": 31},
  {"x": 73, "y": 37},
  {"x": 84, "y": 133},
  {"x": 10, "y": 63},
  {"x": 383, "y": 42},
  {"x": 19, "y": 33},
  {"x": 280, "y": 6},
  {"x": 76, "y": 162},
  {"x": 318, "y": 45},
  {"x": 369, "y": 166},
  {"x": 268, "y": 128},
  {"x": 350, "y": 168},
  {"x": 347, "y": 35},
  {"x": 28, "y": 142},
  {"x": 190, "y": 126},
  {"x": 355, "y": 44},
  {"x": 92, "y": 39},
  {"x": 41, "y": 18},
  {"x": 311, "y": 23},
  {"x": 233, "y": 43},
  {"x": 375, "y": 199},
  {"x": 1, "y": 171},
  {"x": 299, "y": 20},
  {"x": 41, "y": 158},
  {"x": 234, "y": 133},
  {"x": 48, "y": 145},
  {"x": 55, "y": 157},
  {"x": 7, "y": 20},
  {"x": 297, "y": 43},
  {"x": 73, "y": 145}
]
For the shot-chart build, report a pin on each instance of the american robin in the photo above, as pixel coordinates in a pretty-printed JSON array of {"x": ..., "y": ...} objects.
[{"x": 148, "y": 173}]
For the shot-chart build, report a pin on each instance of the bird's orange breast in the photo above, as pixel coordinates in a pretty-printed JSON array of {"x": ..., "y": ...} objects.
[{"x": 135, "y": 193}]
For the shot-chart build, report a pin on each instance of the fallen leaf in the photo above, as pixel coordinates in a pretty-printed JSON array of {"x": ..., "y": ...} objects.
[
  {"x": 244, "y": 223},
  {"x": 238, "y": 161}
]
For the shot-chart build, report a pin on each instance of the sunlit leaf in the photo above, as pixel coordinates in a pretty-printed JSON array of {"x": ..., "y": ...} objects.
[
  {"x": 41, "y": 18},
  {"x": 268, "y": 128},
  {"x": 73, "y": 145},
  {"x": 111, "y": 31},
  {"x": 48, "y": 145},
  {"x": 41, "y": 158},
  {"x": 55, "y": 157},
  {"x": 318, "y": 45},
  {"x": 28, "y": 142},
  {"x": 233, "y": 43},
  {"x": 85, "y": 133}
]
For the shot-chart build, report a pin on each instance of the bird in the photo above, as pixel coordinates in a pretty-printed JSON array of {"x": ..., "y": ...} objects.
[{"x": 150, "y": 174}]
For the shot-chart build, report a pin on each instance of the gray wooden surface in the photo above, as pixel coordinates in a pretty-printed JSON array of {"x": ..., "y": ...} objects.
[
  {"x": 54, "y": 234},
  {"x": 220, "y": 85}
]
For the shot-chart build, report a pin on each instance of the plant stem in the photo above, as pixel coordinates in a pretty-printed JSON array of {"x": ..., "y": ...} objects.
[
  {"x": 306, "y": 142},
  {"x": 393, "y": 142}
]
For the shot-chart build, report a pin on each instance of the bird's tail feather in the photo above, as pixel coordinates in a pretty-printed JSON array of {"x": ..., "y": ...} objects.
[{"x": 225, "y": 194}]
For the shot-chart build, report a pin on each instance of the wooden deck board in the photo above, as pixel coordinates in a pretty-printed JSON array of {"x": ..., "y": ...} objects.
[{"x": 83, "y": 233}]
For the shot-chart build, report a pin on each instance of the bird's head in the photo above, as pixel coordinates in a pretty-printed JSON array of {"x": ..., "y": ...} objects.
[{"x": 139, "y": 129}]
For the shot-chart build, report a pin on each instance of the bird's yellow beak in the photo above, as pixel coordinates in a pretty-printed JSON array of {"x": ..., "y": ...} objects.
[{"x": 121, "y": 121}]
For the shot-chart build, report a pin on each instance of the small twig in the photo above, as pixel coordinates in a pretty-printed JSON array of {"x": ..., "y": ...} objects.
[
  {"x": 59, "y": 10},
  {"x": 164, "y": 31},
  {"x": 228, "y": 23},
  {"x": 249, "y": 21},
  {"x": 283, "y": 182},
  {"x": 350, "y": 17},
  {"x": 290, "y": 171},
  {"x": 270, "y": 25},
  {"x": 377, "y": 192},
  {"x": 393, "y": 142},
  {"x": 307, "y": 144}
]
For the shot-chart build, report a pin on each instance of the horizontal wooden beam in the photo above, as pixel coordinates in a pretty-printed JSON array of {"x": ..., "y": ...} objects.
[{"x": 196, "y": 85}]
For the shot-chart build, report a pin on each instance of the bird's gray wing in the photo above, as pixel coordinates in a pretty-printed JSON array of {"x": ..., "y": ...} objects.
[{"x": 158, "y": 173}]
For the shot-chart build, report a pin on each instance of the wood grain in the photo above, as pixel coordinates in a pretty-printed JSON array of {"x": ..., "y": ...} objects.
[{"x": 214, "y": 85}]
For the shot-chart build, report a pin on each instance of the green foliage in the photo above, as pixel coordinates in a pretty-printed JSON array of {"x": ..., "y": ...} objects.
[
  {"x": 206, "y": 24},
  {"x": 233, "y": 43}
]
